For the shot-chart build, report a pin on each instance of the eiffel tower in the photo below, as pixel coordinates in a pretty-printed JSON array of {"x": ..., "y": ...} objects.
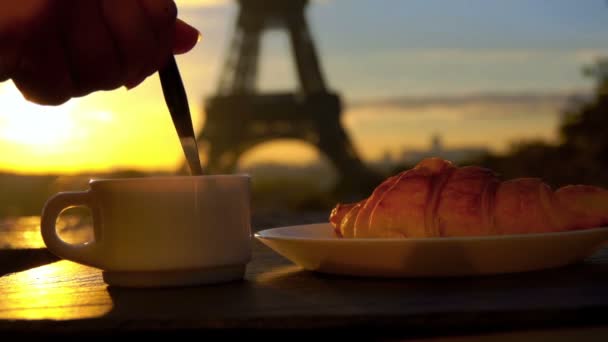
[{"x": 239, "y": 117}]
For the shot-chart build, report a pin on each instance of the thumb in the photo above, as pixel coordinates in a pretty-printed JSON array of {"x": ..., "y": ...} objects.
[{"x": 185, "y": 38}]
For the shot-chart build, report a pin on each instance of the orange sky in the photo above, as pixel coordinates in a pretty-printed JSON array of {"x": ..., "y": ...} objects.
[
  {"x": 133, "y": 130},
  {"x": 104, "y": 131}
]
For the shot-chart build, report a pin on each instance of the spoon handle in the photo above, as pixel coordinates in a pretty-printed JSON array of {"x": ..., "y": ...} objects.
[{"x": 177, "y": 102}]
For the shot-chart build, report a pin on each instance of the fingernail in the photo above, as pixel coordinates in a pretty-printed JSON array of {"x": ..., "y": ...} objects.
[{"x": 186, "y": 37}]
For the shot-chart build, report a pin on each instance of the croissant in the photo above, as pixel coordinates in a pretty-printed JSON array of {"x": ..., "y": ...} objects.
[{"x": 437, "y": 199}]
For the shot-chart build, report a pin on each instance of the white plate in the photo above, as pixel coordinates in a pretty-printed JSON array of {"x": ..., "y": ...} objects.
[{"x": 315, "y": 247}]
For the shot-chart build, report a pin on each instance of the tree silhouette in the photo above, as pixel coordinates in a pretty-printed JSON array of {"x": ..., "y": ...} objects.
[
  {"x": 581, "y": 155},
  {"x": 584, "y": 127}
]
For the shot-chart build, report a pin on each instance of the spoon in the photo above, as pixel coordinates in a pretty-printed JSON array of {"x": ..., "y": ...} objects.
[{"x": 177, "y": 102}]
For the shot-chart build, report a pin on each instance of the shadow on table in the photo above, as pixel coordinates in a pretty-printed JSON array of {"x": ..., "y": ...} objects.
[
  {"x": 573, "y": 295},
  {"x": 16, "y": 260},
  {"x": 280, "y": 298},
  {"x": 288, "y": 301}
]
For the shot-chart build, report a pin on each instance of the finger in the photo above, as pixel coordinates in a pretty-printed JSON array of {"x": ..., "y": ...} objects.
[
  {"x": 10, "y": 49},
  {"x": 161, "y": 15},
  {"x": 129, "y": 30},
  {"x": 186, "y": 37},
  {"x": 21, "y": 20},
  {"x": 160, "y": 19},
  {"x": 94, "y": 58},
  {"x": 172, "y": 33},
  {"x": 42, "y": 74}
]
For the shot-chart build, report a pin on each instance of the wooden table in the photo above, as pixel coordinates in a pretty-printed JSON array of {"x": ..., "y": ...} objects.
[{"x": 41, "y": 295}]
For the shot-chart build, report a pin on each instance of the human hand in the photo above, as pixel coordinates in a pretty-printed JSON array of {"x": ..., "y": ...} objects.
[{"x": 54, "y": 50}]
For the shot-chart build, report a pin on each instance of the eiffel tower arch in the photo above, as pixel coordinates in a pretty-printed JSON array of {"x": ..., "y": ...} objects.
[{"x": 239, "y": 117}]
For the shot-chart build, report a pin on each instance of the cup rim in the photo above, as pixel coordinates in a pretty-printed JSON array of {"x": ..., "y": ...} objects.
[{"x": 169, "y": 177}]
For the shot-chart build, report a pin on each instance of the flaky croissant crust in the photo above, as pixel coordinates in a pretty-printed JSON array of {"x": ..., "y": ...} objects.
[{"x": 436, "y": 199}]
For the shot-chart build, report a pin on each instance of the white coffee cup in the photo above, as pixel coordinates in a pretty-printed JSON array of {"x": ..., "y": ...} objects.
[{"x": 160, "y": 231}]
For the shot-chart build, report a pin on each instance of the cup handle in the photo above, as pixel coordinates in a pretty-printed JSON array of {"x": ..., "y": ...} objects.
[{"x": 84, "y": 253}]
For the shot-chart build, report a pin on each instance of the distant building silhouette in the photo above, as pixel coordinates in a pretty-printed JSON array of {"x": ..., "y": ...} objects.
[
  {"x": 239, "y": 117},
  {"x": 436, "y": 145},
  {"x": 438, "y": 150}
]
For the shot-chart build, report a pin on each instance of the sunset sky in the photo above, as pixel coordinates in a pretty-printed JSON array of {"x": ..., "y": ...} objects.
[{"x": 455, "y": 57}]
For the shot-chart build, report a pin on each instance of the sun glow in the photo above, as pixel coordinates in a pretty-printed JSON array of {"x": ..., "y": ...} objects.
[
  {"x": 93, "y": 134},
  {"x": 31, "y": 125}
]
